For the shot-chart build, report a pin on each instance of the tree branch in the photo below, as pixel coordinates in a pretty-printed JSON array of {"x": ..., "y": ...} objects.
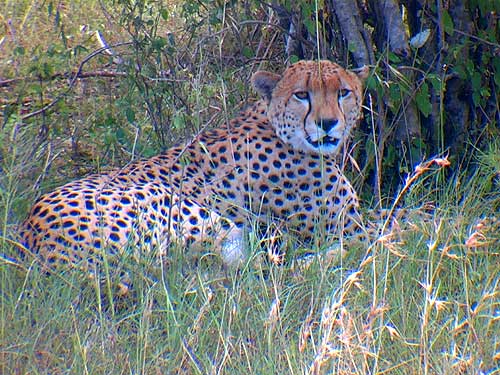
[
  {"x": 67, "y": 75},
  {"x": 73, "y": 81}
]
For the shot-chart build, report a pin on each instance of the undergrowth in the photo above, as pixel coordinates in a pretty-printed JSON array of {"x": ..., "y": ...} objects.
[{"x": 420, "y": 300}]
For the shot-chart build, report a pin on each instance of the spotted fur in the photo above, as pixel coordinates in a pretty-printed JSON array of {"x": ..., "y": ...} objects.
[{"x": 274, "y": 162}]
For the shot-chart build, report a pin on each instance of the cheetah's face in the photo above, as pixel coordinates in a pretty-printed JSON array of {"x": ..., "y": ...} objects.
[{"x": 313, "y": 105}]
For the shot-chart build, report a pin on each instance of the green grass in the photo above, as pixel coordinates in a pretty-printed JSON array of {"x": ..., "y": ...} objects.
[{"x": 418, "y": 302}]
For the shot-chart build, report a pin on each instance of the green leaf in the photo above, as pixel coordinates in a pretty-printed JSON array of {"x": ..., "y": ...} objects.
[
  {"x": 485, "y": 6},
  {"x": 460, "y": 70},
  {"x": 435, "y": 81},
  {"x": 294, "y": 59},
  {"x": 35, "y": 88},
  {"x": 394, "y": 96},
  {"x": 394, "y": 58},
  {"x": 46, "y": 70},
  {"x": 79, "y": 49},
  {"x": 422, "y": 99},
  {"x": 496, "y": 67},
  {"x": 121, "y": 136},
  {"x": 374, "y": 84},
  {"x": 159, "y": 43},
  {"x": 310, "y": 26},
  {"x": 19, "y": 51},
  {"x": 476, "y": 81},
  {"x": 447, "y": 22},
  {"x": 247, "y": 52},
  {"x": 130, "y": 115},
  {"x": 178, "y": 122},
  {"x": 391, "y": 156},
  {"x": 476, "y": 98},
  {"x": 109, "y": 138},
  {"x": 164, "y": 14},
  {"x": 485, "y": 92},
  {"x": 469, "y": 65}
]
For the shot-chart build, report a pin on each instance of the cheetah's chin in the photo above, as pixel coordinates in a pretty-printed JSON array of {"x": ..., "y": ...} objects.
[{"x": 324, "y": 142}]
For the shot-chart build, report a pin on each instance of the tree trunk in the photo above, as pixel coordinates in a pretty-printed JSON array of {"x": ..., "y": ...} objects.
[
  {"x": 457, "y": 109},
  {"x": 351, "y": 26}
]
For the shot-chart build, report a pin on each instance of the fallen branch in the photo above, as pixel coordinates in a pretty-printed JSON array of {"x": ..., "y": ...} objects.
[{"x": 67, "y": 75}]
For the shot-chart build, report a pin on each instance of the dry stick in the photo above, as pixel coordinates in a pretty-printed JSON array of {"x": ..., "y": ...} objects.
[
  {"x": 96, "y": 73},
  {"x": 73, "y": 81},
  {"x": 8, "y": 82}
]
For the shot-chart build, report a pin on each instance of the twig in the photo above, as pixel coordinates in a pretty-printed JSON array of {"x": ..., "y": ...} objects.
[
  {"x": 278, "y": 27},
  {"x": 476, "y": 38},
  {"x": 468, "y": 35}
]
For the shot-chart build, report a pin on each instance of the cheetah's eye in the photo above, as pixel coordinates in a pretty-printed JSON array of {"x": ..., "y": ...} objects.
[
  {"x": 301, "y": 95},
  {"x": 344, "y": 93}
]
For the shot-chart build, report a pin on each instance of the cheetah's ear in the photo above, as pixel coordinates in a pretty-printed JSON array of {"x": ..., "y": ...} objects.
[
  {"x": 362, "y": 72},
  {"x": 265, "y": 82}
]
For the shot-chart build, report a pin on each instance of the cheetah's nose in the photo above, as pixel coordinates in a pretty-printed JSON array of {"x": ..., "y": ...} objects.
[{"x": 327, "y": 124}]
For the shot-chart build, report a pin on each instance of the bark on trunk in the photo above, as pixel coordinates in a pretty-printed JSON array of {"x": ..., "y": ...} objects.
[
  {"x": 351, "y": 26},
  {"x": 390, "y": 30}
]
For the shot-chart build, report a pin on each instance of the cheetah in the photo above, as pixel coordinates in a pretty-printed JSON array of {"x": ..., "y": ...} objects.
[{"x": 276, "y": 162}]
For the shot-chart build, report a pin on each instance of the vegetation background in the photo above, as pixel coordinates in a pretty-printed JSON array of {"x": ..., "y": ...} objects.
[{"x": 89, "y": 85}]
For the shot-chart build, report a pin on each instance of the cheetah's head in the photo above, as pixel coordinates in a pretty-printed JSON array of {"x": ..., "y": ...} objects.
[{"x": 313, "y": 105}]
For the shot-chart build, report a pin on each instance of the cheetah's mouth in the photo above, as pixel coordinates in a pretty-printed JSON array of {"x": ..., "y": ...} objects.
[{"x": 325, "y": 141}]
